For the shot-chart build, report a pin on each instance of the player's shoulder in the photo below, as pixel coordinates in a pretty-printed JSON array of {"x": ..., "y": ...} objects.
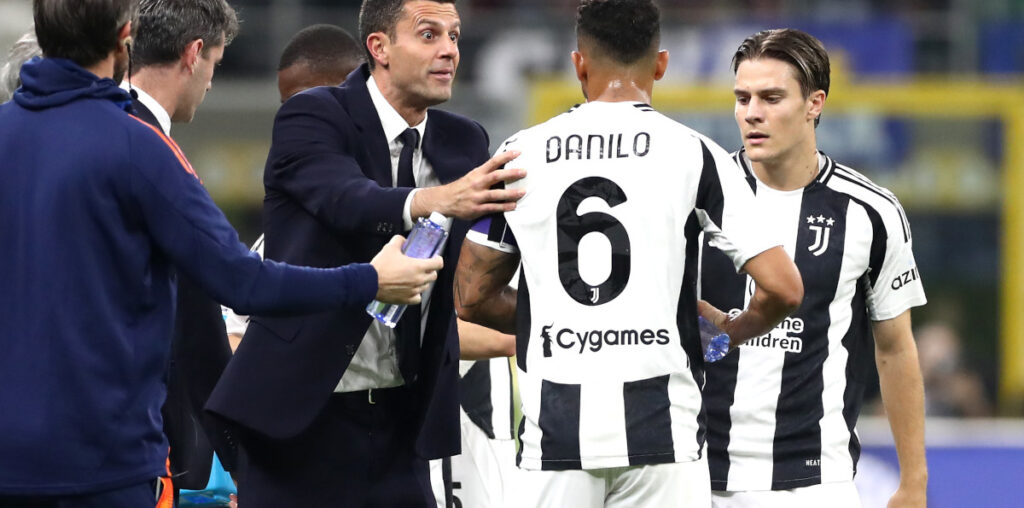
[
  {"x": 683, "y": 136},
  {"x": 866, "y": 193},
  {"x": 846, "y": 180},
  {"x": 542, "y": 131},
  {"x": 600, "y": 113},
  {"x": 567, "y": 117},
  {"x": 709, "y": 144},
  {"x": 513, "y": 142}
]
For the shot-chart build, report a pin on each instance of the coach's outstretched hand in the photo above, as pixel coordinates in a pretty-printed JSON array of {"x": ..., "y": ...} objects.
[
  {"x": 471, "y": 196},
  {"x": 401, "y": 279}
]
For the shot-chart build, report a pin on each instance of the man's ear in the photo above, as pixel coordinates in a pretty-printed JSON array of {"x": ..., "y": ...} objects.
[
  {"x": 379, "y": 45},
  {"x": 190, "y": 57},
  {"x": 661, "y": 64},
  {"x": 579, "y": 62},
  {"x": 124, "y": 37},
  {"x": 816, "y": 104}
]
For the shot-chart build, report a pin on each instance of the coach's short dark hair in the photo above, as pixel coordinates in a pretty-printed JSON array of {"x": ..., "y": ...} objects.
[
  {"x": 83, "y": 31},
  {"x": 326, "y": 49},
  {"x": 381, "y": 16},
  {"x": 798, "y": 48},
  {"x": 166, "y": 27},
  {"x": 626, "y": 30}
]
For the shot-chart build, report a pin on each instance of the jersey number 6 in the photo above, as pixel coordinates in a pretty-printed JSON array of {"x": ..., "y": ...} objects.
[{"x": 572, "y": 227}]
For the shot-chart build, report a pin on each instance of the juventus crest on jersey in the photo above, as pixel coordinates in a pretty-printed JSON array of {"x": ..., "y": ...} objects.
[
  {"x": 608, "y": 349},
  {"x": 782, "y": 409}
]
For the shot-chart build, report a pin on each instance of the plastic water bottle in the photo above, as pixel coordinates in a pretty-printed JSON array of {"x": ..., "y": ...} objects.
[
  {"x": 714, "y": 341},
  {"x": 424, "y": 242}
]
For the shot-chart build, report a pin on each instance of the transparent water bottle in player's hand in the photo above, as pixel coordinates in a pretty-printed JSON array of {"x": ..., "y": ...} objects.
[
  {"x": 713, "y": 341},
  {"x": 424, "y": 242}
]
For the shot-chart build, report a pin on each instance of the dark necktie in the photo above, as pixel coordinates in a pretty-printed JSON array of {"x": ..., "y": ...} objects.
[
  {"x": 410, "y": 139},
  {"x": 407, "y": 332}
]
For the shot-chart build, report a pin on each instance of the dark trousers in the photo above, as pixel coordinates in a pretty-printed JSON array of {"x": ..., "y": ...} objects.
[
  {"x": 142, "y": 495},
  {"x": 355, "y": 454}
]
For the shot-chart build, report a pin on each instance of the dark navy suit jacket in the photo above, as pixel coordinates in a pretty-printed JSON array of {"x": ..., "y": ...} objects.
[{"x": 330, "y": 201}]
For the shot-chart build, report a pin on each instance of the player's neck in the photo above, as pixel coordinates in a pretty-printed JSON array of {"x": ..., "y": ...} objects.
[
  {"x": 619, "y": 88},
  {"x": 792, "y": 171}
]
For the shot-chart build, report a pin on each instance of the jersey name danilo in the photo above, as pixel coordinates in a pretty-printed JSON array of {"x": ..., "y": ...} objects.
[{"x": 616, "y": 195}]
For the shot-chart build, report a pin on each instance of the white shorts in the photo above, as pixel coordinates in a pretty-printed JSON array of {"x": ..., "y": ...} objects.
[
  {"x": 682, "y": 485},
  {"x": 483, "y": 475},
  {"x": 832, "y": 495}
]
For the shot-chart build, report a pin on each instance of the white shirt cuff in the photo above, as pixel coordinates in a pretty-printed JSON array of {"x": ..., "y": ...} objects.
[{"x": 407, "y": 211}]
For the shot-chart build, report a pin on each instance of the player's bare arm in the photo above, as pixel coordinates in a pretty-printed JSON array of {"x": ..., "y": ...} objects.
[
  {"x": 472, "y": 195},
  {"x": 480, "y": 343},
  {"x": 482, "y": 293},
  {"x": 778, "y": 293},
  {"x": 899, "y": 376}
]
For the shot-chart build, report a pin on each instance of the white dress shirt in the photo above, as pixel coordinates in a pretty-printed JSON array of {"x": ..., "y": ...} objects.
[
  {"x": 162, "y": 117},
  {"x": 375, "y": 364}
]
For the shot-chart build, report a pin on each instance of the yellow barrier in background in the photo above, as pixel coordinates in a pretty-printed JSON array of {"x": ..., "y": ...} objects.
[{"x": 916, "y": 99}]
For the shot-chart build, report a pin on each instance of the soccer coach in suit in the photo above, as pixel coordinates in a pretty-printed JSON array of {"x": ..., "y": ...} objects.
[{"x": 336, "y": 410}]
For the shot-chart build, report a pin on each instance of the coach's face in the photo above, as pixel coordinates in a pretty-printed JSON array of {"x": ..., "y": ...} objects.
[
  {"x": 774, "y": 117},
  {"x": 424, "y": 54}
]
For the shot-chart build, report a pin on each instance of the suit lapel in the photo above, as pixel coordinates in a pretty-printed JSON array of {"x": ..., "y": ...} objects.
[
  {"x": 440, "y": 154},
  {"x": 366, "y": 119}
]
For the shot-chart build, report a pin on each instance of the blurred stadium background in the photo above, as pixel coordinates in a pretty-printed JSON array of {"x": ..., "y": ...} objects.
[{"x": 927, "y": 99}]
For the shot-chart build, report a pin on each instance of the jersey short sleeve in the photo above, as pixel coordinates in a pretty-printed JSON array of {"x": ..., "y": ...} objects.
[
  {"x": 726, "y": 210},
  {"x": 898, "y": 286},
  {"x": 493, "y": 231}
]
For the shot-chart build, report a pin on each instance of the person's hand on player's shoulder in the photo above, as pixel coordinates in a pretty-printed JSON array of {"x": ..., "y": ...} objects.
[
  {"x": 472, "y": 195},
  {"x": 401, "y": 279}
]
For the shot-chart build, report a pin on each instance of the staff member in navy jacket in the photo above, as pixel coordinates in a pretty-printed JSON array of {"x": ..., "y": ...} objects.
[
  {"x": 95, "y": 210},
  {"x": 339, "y": 411}
]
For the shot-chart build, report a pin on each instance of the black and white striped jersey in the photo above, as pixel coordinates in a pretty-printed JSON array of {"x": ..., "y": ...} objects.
[
  {"x": 782, "y": 409},
  {"x": 607, "y": 343},
  {"x": 485, "y": 393}
]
